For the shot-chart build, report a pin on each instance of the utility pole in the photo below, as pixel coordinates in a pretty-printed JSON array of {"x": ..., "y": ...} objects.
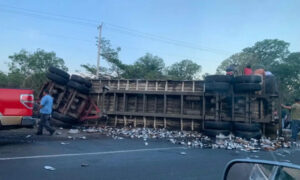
[{"x": 99, "y": 50}]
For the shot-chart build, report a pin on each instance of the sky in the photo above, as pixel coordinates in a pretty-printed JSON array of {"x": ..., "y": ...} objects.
[{"x": 205, "y": 31}]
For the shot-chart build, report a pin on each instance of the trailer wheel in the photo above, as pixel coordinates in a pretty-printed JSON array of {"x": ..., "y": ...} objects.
[
  {"x": 247, "y": 87},
  {"x": 219, "y": 78},
  {"x": 271, "y": 85},
  {"x": 247, "y": 127},
  {"x": 81, "y": 80},
  {"x": 221, "y": 125},
  {"x": 217, "y": 86},
  {"x": 248, "y": 134},
  {"x": 63, "y": 118},
  {"x": 57, "y": 79},
  {"x": 59, "y": 72},
  {"x": 215, "y": 132},
  {"x": 247, "y": 79},
  {"x": 79, "y": 87}
]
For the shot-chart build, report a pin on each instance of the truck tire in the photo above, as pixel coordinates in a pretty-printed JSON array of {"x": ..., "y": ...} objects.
[
  {"x": 218, "y": 78},
  {"x": 215, "y": 132},
  {"x": 57, "y": 79},
  {"x": 81, "y": 80},
  {"x": 79, "y": 87},
  {"x": 248, "y": 134},
  {"x": 221, "y": 125},
  {"x": 59, "y": 72},
  {"x": 247, "y": 127},
  {"x": 271, "y": 85},
  {"x": 217, "y": 86},
  {"x": 63, "y": 118},
  {"x": 247, "y": 87},
  {"x": 247, "y": 79}
]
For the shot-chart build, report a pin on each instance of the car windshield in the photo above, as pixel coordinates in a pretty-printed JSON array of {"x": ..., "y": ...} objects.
[{"x": 147, "y": 89}]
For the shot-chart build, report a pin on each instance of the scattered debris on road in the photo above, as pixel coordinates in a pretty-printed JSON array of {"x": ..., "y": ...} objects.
[
  {"x": 50, "y": 168},
  {"x": 82, "y": 137},
  {"x": 189, "y": 139},
  {"x": 28, "y": 136},
  {"x": 84, "y": 165},
  {"x": 73, "y": 131},
  {"x": 194, "y": 139},
  {"x": 64, "y": 143},
  {"x": 183, "y": 153}
]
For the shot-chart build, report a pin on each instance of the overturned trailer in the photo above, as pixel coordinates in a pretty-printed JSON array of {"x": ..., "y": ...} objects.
[{"x": 246, "y": 106}]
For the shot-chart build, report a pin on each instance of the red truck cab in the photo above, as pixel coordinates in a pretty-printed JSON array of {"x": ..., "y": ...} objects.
[{"x": 16, "y": 107}]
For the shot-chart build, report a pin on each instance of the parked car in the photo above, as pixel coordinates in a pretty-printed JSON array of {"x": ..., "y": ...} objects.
[{"x": 16, "y": 108}]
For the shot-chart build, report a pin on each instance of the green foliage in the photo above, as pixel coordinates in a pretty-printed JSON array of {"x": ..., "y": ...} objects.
[
  {"x": 266, "y": 53},
  {"x": 28, "y": 70},
  {"x": 16, "y": 80},
  {"x": 288, "y": 73},
  {"x": 3, "y": 79},
  {"x": 273, "y": 55},
  {"x": 111, "y": 55},
  {"x": 184, "y": 70},
  {"x": 38, "y": 62},
  {"x": 146, "y": 67},
  {"x": 92, "y": 69}
]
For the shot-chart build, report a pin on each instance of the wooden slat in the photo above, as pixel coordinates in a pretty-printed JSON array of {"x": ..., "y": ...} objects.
[
  {"x": 165, "y": 103},
  {"x": 124, "y": 103},
  {"x": 116, "y": 120}
]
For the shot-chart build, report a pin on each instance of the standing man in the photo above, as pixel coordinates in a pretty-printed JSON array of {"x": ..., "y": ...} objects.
[
  {"x": 248, "y": 70},
  {"x": 295, "y": 117},
  {"x": 45, "y": 113}
]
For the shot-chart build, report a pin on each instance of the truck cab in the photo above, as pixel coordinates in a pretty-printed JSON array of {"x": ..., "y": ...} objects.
[{"x": 16, "y": 108}]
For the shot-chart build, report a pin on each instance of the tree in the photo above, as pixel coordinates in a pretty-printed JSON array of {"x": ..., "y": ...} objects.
[
  {"x": 274, "y": 56},
  {"x": 15, "y": 80},
  {"x": 29, "y": 69},
  {"x": 266, "y": 53},
  {"x": 111, "y": 55},
  {"x": 92, "y": 69},
  {"x": 184, "y": 70},
  {"x": 146, "y": 67},
  {"x": 38, "y": 62},
  {"x": 288, "y": 74},
  {"x": 3, "y": 80},
  {"x": 240, "y": 59}
]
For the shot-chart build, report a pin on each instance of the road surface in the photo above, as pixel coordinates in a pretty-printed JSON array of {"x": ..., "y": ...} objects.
[{"x": 101, "y": 157}]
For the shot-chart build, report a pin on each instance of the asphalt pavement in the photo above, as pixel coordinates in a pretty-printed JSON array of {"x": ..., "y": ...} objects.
[{"x": 23, "y": 155}]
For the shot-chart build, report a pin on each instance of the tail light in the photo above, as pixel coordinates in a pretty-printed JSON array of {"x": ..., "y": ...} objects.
[{"x": 27, "y": 100}]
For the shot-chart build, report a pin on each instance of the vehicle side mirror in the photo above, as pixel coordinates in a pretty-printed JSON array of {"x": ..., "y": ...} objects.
[{"x": 260, "y": 169}]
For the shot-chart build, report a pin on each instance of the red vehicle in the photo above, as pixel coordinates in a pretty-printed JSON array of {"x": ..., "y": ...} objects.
[{"x": 16, "y": 107}]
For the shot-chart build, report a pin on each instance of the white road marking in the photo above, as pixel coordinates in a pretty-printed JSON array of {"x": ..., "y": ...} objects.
[{"x": 85, "y": 154}]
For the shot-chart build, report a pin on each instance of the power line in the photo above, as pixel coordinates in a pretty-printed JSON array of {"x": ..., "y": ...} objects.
[
  {"x": 59, "y": 36},
  {"x": 168, "y": 42},
  {"x": 124, "y": 30},
  {"x": 48, "y": 17},
  {"x": 162, "y": 38},
  {"x": 50, "y": 34}
]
